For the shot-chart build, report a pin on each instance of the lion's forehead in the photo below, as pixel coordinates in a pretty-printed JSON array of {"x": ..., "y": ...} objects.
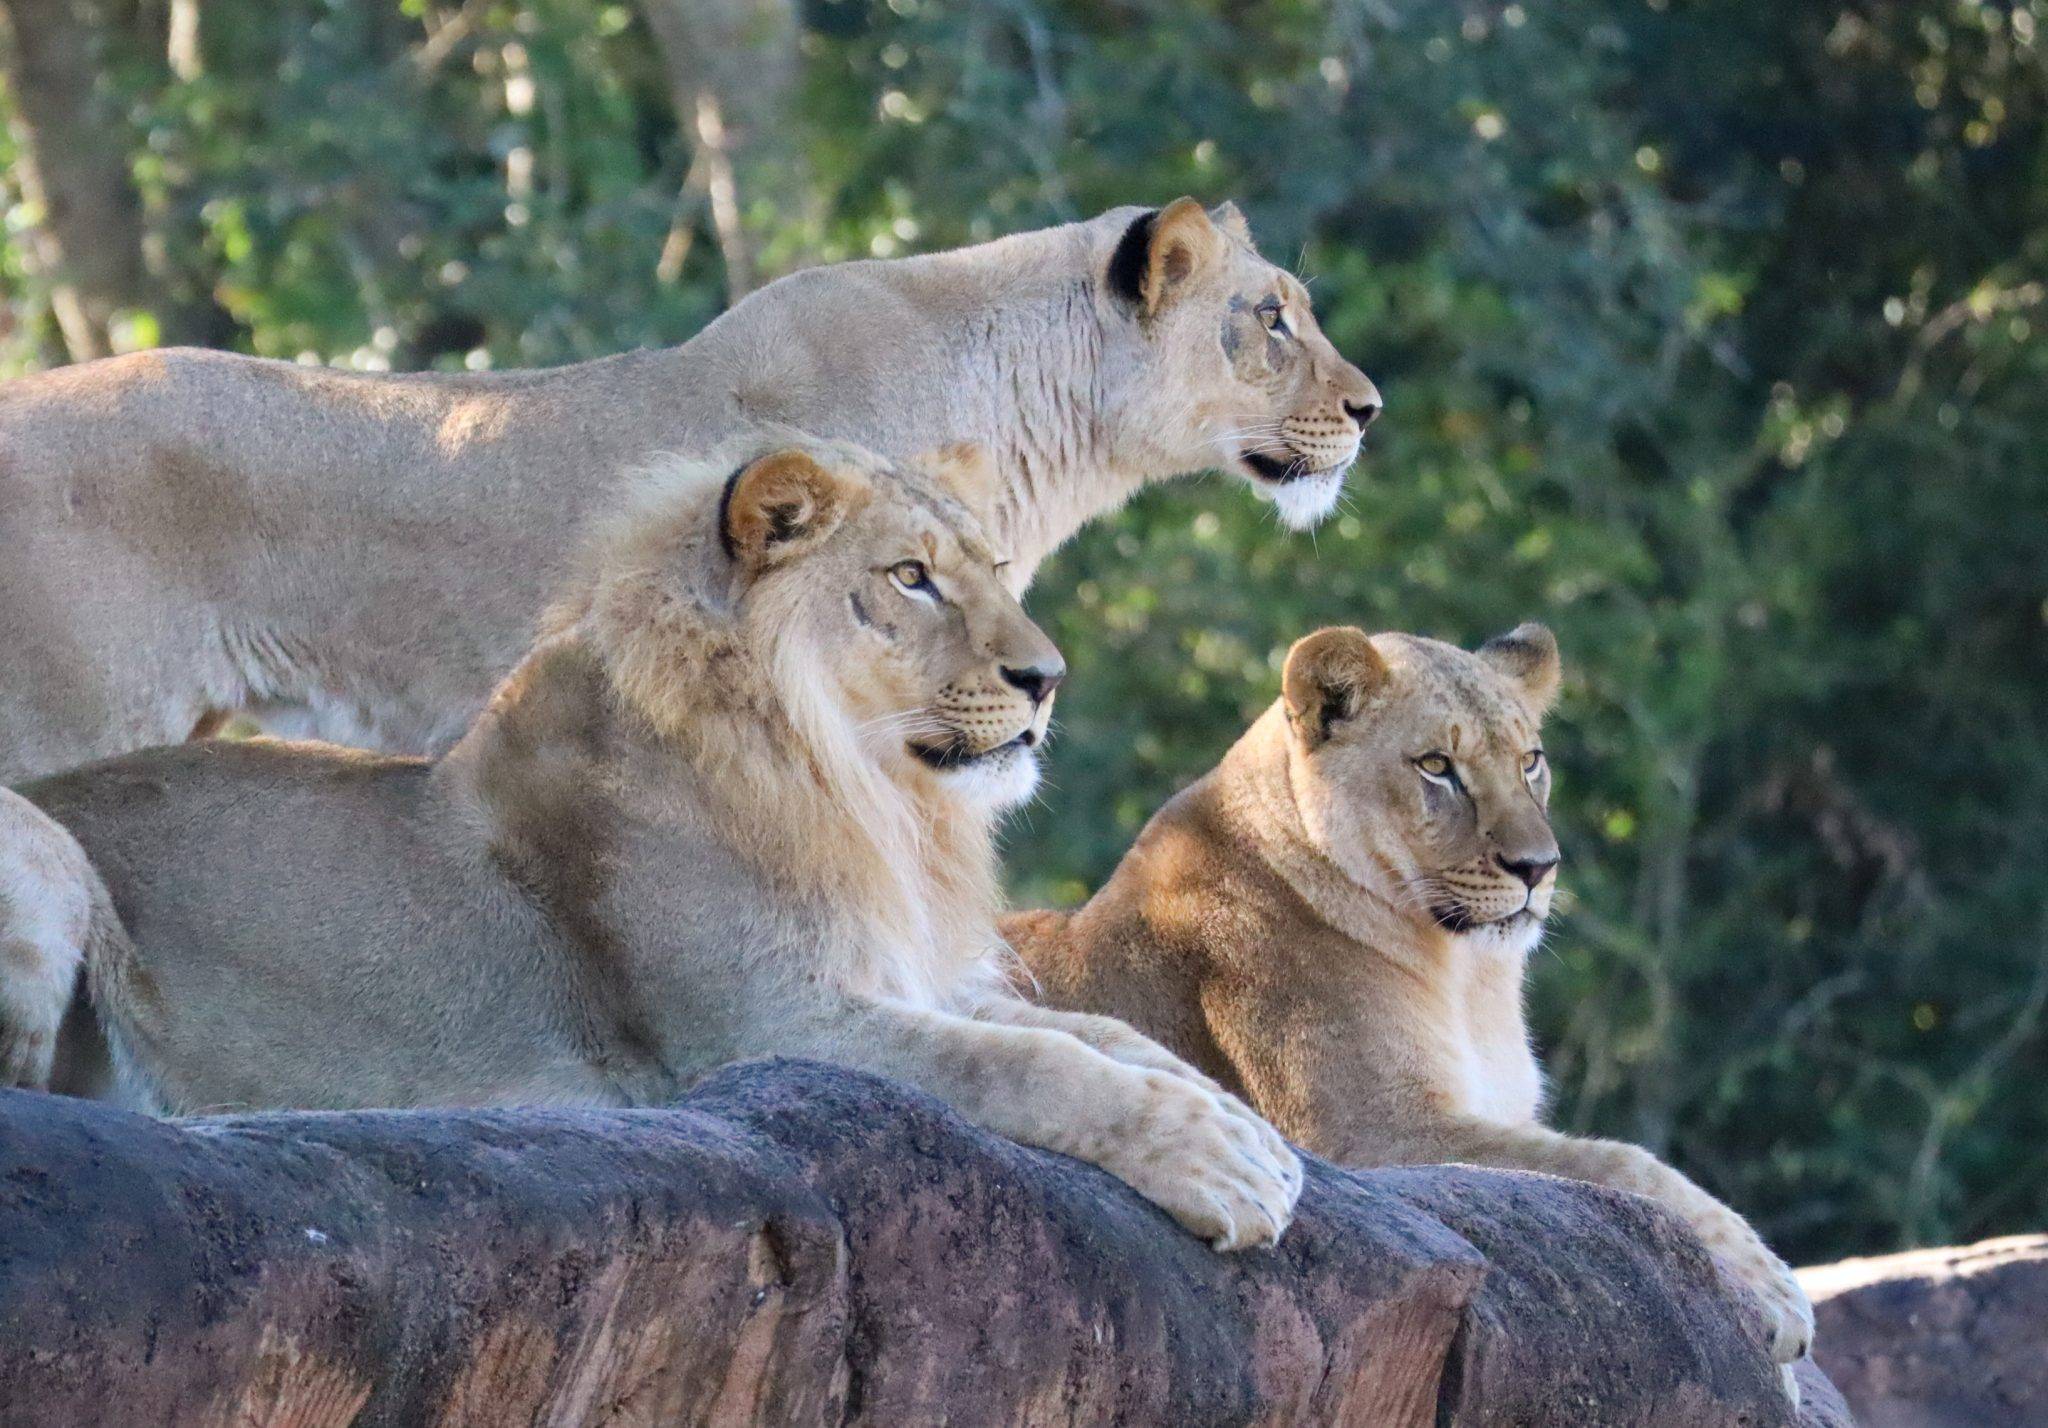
[
  {"x": 933, "y": 515},
  {"x": 1454, "y": 695}
]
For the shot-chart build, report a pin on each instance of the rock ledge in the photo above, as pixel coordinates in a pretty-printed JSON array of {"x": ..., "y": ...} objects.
[{"x": 797, "y": 1244}]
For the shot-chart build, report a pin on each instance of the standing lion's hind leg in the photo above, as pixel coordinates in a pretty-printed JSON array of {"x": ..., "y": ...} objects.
[{"x": 49, "y": 901}]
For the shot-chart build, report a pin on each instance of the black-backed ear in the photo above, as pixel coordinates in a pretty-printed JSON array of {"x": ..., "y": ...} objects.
[
  {"x": 1328, "y": 678},
  {"x": 1527, "y": 654},
  {"x": 967, "y": 471},
  {"x": 1126, "y": 278},
  {"x": 1159, "y": 252},
  {"x": 781, "y": 505}
]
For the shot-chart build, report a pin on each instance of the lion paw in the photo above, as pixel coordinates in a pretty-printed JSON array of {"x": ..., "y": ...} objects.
[
  {"x": 1788, "y": 1314},
  {"x": 1225, "y": 1175},
  {"x": 1147, "y": 1055},
  {"x": 1275, "y": 1144},
  {"x": 33, "y": 1001}
]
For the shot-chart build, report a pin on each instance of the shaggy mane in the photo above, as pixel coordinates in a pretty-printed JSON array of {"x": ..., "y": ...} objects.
[{"x": 733, "y": 684}]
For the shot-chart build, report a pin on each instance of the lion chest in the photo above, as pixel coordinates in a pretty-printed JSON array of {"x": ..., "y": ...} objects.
[{"x": 1489, "y": 1061}]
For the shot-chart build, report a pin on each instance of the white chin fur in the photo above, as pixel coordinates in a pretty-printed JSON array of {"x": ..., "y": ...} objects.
[
  {"x": 1002, "y": 780},
  {"x": 1517, "y": 936},
  {"x": 1306, "y": 501}
]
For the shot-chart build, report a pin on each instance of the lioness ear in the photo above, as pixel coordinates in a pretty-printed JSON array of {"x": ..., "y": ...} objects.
[
  {"x": 781, "y": 505},
  {"x": 1328, "y": 677},
  {"x": 1160, "y": 251},
  {"x": 1230, "y": 220},
  {"x": 1527, "y": 654},
  {"x": 968, "y": 472}
]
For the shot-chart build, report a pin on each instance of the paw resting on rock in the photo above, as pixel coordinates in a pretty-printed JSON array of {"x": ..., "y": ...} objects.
[{"x": 1223, "y": 1173}]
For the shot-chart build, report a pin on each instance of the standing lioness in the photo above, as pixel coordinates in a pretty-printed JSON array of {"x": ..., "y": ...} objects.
[
  {"x": 362, "y": 557},
  {"x": 1334, "y": 923},
  {"x": 737, "y": 802}
]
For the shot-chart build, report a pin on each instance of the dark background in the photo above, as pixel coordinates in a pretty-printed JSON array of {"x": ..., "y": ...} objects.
[{"x": 1707, "y": 333}]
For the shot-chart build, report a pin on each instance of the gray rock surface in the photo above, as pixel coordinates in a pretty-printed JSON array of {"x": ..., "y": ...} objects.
[
  {"x": 1939, "y": 1338},
  {"x": 798, "y": 1244}
]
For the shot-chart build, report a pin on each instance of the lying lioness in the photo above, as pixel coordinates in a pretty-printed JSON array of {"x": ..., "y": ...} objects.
[
  {"x": 1334, "y": 922},
  {"x": 736, "y": 802},
  {"x": 361, "y": 557}
]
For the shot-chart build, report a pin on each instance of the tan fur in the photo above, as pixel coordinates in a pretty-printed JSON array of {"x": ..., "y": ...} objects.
[
  {"x": 362, "y": 557},
  {"x": 50, "y": 908},
  {"x": 736, "y": 801},
  {"x": 1287, "y": 925}
]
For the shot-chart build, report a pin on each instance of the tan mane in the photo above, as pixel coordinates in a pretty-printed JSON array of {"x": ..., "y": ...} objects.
[{"x": 740, "y": 696}]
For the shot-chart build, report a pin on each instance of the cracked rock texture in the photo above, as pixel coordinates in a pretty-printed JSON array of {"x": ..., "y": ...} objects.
[
  {"x": 799, "y": 1244},
  {"x": 1939, "y": 1338}
]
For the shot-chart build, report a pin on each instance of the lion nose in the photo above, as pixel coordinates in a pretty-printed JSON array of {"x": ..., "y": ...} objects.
[
  {"x": 1365, "y": 412},
  {"x": 1530, "y": 870},
  {"x": 1038, "y": 680}
]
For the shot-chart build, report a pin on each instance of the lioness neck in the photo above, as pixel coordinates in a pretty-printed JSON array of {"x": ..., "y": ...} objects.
[
  {"x": 1038, "y": 366},
  {"x": 1256, "y": 784}
]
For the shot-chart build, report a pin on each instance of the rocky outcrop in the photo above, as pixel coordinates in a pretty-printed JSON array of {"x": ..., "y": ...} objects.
[
  {"x": 1939, "y": 1338},
  {"x": 797, "y": 1244}
]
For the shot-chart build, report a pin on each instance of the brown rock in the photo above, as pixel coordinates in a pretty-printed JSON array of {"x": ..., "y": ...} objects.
[
  {"x": 799, "y": 1244},
  {"x": 1942, "y": 1337}
]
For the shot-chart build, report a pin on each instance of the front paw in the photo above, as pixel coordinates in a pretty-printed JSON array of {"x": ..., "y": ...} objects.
[
  {"x": 1275, "y": 1144},
  {"x": 1788, "y": 1313},
  {"x": 32, "y": 1007},
  {"x": 1149, "y": 1056},
  {"x": 1227, "y": 1178}
]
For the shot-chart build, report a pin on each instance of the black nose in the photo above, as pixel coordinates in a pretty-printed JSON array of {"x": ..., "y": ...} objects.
[
  {"x": 1039, "y": 681},
  {"x": 1364, "y": 413},
  {"x": 1530, "y": 870}
]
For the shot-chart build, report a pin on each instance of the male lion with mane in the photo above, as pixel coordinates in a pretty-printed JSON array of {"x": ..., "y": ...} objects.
[
  {"x": 360, "y": 557},
  {"x": 1335, "y": 921},
  {"x": 737, "y": 801}
]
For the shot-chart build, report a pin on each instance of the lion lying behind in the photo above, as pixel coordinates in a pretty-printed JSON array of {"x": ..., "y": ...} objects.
[
  {"x": 1334, "y": 922},
  {"x": 736, "y": 802}
]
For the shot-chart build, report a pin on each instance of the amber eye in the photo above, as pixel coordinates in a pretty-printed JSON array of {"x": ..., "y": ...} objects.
[
  {"x": 1532, "y": 762},
  {"x": 911, "y": 577},
  {"x": 1271, "y": 316},
  {"x": 1434, "y": 765}
]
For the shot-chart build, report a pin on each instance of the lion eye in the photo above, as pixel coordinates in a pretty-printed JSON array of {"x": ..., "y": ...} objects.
[
  {"x": 1437, "y": 766},
  {"x": 1532, "y": 762},
  {"x": 911, "y": 577},
  {"x": 1271, "y": 316}
]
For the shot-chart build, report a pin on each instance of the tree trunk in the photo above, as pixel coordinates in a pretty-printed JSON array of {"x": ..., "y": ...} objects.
[
  {"x": 91, "y": 240},
  {"x": 732, "y": 68},
  {"x": 181, "y": 42}
]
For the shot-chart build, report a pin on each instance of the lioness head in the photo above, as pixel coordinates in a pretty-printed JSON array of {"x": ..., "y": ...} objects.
[
  {"x": 877, "y": 589},
  {"x": 1420, "y": 766},
  {"x": 1235, "y": 355}
]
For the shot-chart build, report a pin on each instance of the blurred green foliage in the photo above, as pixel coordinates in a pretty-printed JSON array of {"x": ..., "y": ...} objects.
[{"x": 1707, "y": 333}]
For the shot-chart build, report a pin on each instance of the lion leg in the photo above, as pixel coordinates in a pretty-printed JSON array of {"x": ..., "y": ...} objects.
[
  {"x": 1124, "y": 1043},
  {"x": 47, "y": 906},
  {"x": 1738, "y": 1247},
  {"x": 1164, "y": 1136}
]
